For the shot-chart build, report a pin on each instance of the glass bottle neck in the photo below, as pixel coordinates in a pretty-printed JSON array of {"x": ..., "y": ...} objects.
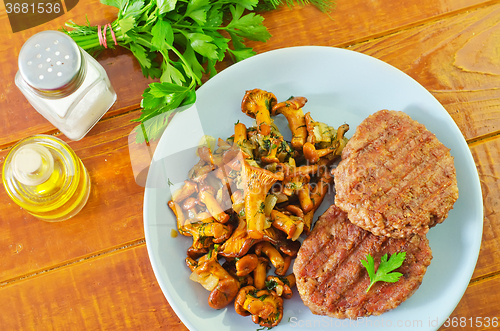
[{"x": 32, "y": 164}]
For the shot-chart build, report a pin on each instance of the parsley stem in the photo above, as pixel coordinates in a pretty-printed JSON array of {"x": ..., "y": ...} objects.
[
  {"x": 183, "y": 59},
  {"x": 182, "y": 26},
  {"x": 209, "y": 28},
  {"x": 88, "y": 39},
  {"x": 189, "y": 37}
]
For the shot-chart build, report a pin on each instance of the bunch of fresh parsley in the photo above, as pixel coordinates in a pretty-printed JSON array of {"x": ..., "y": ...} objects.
[{"x": 177, "y": 42}]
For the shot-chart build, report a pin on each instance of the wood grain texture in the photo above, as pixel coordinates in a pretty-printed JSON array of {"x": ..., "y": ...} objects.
[
  {"x": 350, "y": 22},
  {"x": 457, "y": 59},
  {"x": 478, "y": 309},
  {"x": 93, "y": 273},
  {"x": 116, "y": 292},
  {"x": 487, "y": 158},
  {"x": 119, "y": 291},
  {"x": 18, "y": 118},
  {"x": 354, "y": 21},
  {"x": 112, "y": 216}
]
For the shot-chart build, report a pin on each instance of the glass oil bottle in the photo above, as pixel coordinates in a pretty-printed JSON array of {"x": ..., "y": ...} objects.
[{"x": 45, "y": 177}]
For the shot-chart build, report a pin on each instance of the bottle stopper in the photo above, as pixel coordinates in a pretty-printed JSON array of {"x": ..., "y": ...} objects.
[{"x": 32, "y": 164}]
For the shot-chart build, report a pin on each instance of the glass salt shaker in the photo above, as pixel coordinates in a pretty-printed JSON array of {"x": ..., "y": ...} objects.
[{"x": 63, "y": 83}]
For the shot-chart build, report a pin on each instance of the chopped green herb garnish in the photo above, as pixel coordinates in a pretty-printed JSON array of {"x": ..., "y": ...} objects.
[
  {"x": 271, "y": 284},
  {"x": 262, "y": 206},
  {"x": 385, "y": 267}
]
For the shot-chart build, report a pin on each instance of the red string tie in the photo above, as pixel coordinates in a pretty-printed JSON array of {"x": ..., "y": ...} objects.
[{"x": 102, "y": 36}]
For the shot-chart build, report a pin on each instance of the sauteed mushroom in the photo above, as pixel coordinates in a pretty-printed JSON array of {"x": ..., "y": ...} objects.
[
  {"x": 257, "y": 104},
  {"x": 292, "y": 110},
  {"x": 257, "y": 182},
  {"x": 265, "y": 306},
  {"x": 213, "y": 277},
  {"x": 250, "y": 198}
]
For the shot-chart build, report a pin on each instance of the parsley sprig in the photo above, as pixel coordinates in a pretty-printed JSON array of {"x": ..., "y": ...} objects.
[
  {"x": 177, "y": 42},
  {"x": 385, "y": 267},
  {"x": 187, "y": 35}
]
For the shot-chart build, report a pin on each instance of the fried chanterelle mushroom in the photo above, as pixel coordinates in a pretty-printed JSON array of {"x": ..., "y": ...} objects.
[
  {"x": 257, "y": 182},
  {"x": 213, "y": 277},
  {"x": 257, "y": 104},
  {"x": 292, "y": 110},
  {"x": 323, "y": 140},
  {"x": 249, "y": 199},
  {"x": 265, "y": 306},
  {"x": 281, "y": 285}
]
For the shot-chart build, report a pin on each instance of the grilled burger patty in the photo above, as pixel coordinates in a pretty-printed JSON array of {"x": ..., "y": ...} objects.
[
  {"x": 331, "y": 279},
  {"x": 395, "y": 177}
]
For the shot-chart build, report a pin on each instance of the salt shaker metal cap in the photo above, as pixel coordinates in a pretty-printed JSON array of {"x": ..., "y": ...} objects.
[
  {"x": 51, "y": 63},
  {"x": 63, "y": 83}
]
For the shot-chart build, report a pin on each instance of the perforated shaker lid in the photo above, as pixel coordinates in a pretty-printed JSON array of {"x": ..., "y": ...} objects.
[{"x": 51, "y": 62}]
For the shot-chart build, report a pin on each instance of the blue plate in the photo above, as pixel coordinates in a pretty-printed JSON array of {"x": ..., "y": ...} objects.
[{"x": 342, "y": 86}]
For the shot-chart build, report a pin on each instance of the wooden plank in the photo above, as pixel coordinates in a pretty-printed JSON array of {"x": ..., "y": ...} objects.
[
  {"x": 117, "y": 291},
  {"x": 354, "y": 21},
  {"x": 457, "y": 60},
  {"x": 19, "y": 119},
  {"x": 112, "y": 216},
  {"x": 351, "y": 21},
  {"x": 487, "y": 158},
  {"x": 478, "y": 309},
  {"x": 36, "y": 247}
]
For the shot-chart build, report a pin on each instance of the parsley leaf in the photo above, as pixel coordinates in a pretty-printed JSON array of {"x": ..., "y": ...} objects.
[
  {"x": 271, "y": 284},
  {"x": 163, "y": 35},
  {"x": 178, "y": 42},
  {"x": 385, "y": 267}
]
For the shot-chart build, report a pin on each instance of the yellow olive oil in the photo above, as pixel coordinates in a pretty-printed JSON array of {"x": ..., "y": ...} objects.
[{"x": 44, "y": 176}]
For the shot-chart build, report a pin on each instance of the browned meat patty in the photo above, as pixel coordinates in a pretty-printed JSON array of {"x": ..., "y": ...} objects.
[
  {"x": 331, "y": 279},
  {"x": 395, "y": 177}
]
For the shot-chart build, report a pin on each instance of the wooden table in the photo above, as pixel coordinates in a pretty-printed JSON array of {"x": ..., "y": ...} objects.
[{"x": 93, "y": 273}]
